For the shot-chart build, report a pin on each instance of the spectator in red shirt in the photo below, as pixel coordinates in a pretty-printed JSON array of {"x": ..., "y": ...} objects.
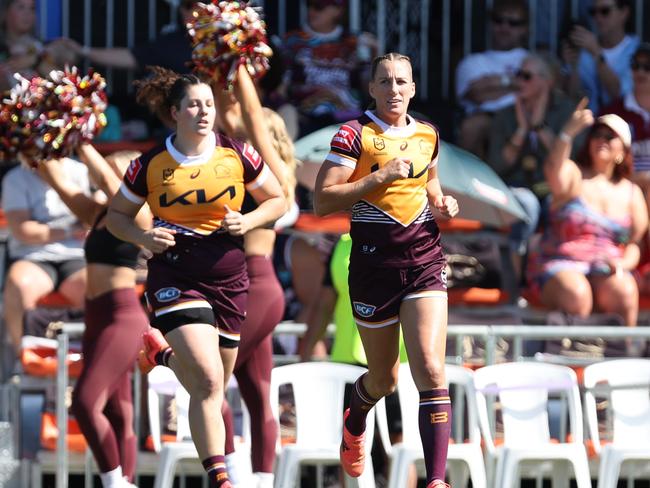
[{"x": 634, "y": 108}]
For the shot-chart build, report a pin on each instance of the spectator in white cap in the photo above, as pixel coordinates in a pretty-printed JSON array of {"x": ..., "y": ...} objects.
[{"x": 597, "y": 218}]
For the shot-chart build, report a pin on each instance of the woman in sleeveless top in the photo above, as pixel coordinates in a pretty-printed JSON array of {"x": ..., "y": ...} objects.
[
  {"x": 114, "y": 320},
  {"x": 597, "y": 218}
]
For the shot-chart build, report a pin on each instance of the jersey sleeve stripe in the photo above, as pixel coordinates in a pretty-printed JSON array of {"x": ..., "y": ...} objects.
[
  {"x": 342, "y": 160},
  {"x": 261, "y": 178},
  {"x": 434, "y": 161},
  {"x": 137, "y": 199}
]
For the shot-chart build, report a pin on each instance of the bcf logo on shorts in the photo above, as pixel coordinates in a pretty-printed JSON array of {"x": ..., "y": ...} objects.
[
  {"x": 364, "y": 310},
  {"x": 167, "y": 294}
]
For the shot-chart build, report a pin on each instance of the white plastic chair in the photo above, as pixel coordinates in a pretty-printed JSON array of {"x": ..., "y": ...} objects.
[
  {"x": 163, "y": 381},
  {"x": 629, "y": 407},
  {"x": 318, "y": 390},
  {"x": 523, "y": 390},
  {"x": 460, "y": 456}
]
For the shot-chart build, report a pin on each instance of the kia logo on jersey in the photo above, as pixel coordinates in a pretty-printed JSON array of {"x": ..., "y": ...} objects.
[
  {"x": 197, "y": 196},
  {"x": 364, "y": 309},
  {"x": 167, "y": 294}
]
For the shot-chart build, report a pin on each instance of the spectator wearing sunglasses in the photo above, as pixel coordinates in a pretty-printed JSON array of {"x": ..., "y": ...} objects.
[
  {"x": 484, "y": 81},
  {"x": 634, "y": 108},
  {"x": 598, "y": 65},
  {"x": 520, "y": 138}
]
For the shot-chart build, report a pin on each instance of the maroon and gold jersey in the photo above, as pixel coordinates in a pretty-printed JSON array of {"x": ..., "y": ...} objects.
[
  {"x": 190, "y": 193},
  {"x": 391, "y": 225}
]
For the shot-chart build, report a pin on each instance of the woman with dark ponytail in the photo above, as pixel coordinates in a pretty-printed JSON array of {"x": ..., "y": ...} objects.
[{"x": 197, "y": 282}]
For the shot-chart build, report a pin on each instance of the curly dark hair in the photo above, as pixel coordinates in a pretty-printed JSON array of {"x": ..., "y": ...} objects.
[
  {"x": 162, "y": 90},
  {"x": 621, "y": 170}
]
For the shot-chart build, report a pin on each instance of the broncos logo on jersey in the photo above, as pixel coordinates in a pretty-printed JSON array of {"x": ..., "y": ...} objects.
[{"x": 368, "y": 144}]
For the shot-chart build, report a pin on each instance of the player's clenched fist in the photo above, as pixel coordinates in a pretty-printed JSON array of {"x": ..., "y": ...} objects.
[
  {"x": 159, "y": 239},
  {"x": 395, "y": 169},
  {"x": 446, "y": 205},
  {"x": 235, "y": 223}
]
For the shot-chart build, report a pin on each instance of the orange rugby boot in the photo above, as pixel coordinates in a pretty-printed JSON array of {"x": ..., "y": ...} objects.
[
  {"x": 352, "y": 452},
  {"x": 438, "y": 484},
  {"x": 154, "y": 342}
]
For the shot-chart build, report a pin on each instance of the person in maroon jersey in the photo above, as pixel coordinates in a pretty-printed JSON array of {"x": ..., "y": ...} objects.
[
  {"x": 197, "y": 282},
  {"x": 327, "y": 66},
  {"x": 634, "y": 108},
  {"x": 382, "y": 165}
]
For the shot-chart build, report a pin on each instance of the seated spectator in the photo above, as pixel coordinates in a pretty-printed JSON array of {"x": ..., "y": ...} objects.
[
  {"x": 328, "y": 66},
  {"x": 597, "y": 218},
  {"x": 634, "y": 108},
  {"x": 598, "y": 65},
  {"x": 45, "y": 244},
  {"x": 520, "y": 138},
  {"x": 484, "y": 81},
  {"x": 19, "y": 49}
]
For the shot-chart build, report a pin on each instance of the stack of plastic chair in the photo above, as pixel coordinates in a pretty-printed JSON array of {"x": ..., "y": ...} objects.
[
  {"x": 318, "y": 390},
  {"x": 523, "y": 392},
  {"x": 163, "y": 381},
  {"x": 629, "y": 406},
  {"x": 463, "y": 457},
  {"x": 40, "y": 376},
  {"x": 9, "y": 465}
]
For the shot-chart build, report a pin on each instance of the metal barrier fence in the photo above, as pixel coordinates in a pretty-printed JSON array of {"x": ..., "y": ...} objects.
[
  {"x": 489, "y": 333},
  {"x": 434, "y": 34}
]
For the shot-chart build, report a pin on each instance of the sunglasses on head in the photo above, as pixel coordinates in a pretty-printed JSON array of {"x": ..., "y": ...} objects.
[
  {"x": 602, "y": 11},
  {"x": 638, "y": 66},
  {"x": 522, "y": 74},
  {"x": 499, "y": 20}
]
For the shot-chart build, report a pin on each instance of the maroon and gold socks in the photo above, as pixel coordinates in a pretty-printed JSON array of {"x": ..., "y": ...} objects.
[
  {"x": 162, "y": 357},
  {"x": 435, "y": 428},
  {"x": 215, "y": 466},
  {"x": 360, "y": 404}
]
